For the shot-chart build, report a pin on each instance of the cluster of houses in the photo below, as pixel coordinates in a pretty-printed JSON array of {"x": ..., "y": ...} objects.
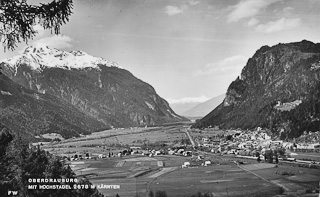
[
  {"x": 240, "y": 143},
  {"x": 255, "y": 142},
  {"x": 134, "y": 151},
  {"x": 308, "y": 141}
]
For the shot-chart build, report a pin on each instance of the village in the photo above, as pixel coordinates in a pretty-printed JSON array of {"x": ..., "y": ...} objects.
[{"x": 255, "y": 145}]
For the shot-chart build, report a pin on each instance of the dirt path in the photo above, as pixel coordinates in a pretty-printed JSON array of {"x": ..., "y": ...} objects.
[{"x": 190, "y": 138}]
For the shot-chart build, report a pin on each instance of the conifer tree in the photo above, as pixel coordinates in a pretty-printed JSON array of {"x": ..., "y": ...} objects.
[
  {"x": 19, "y": 163},
  {"x": 18, "y": 18}
]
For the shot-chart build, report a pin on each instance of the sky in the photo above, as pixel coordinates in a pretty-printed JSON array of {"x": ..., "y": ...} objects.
[{"x": 188, "y": 50}]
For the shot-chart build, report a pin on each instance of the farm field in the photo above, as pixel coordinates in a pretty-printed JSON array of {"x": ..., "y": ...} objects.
[
  {"x": 292, "y": 179},
  {"x": 111, "y": 140},
  {"x": 222, "y": 180},
  {"x": 122, "y": 172},
  {"x": 229, "y": 180},
  {"x": 131, "y": 173},
  {"x": 137, "y": 175},
  {"x": 116, "y": 140},
  {"x": 209, "y": 133}
]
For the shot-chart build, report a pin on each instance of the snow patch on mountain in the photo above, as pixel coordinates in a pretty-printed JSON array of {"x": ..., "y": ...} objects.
[
  {"x": 149, "y": 105},
  {"x": 172, "y": 114},
  {"x": 39, "y": 57},
  {"x": 5, "y": 93}
]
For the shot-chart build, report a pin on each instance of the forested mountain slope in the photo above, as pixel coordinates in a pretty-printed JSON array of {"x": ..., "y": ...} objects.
[{"x": 278, "y": 88}]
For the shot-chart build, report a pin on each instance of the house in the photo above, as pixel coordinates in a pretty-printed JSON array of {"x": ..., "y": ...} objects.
[
  {"x": 200, "y": 157},
  {"x": 144, "y": 152},
  {"x": 185, "y": 164},
  {"x": 187, "y": 153},
  {"x": 277, "y": 143},
  {"x": 316, "y": 146},
  {"x": 232, "y": 151},
  {"x": 180, "y": 151},
  {"x": 216, "y": 142},
  {"x": 208, "y": 145},
  {"x": 171, "y": 152},
  {"x": 101, "y": 156},
  {"x": 242, "y": 145},
  {"x": 205, "y": 139}
]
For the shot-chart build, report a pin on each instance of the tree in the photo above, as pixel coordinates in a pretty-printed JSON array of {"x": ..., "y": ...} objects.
[
  {"x": 161, "y": 194},
  {"x": 269, "y": 156},
  {"x": 277, "y": 159},
  {"x": 5, "y": 139},
  {"x": 19, "y": 162},
  {"x": 151, "y": 194},
  {"x": 258, "y": 159},
  {"x": 18, "y": 18}
]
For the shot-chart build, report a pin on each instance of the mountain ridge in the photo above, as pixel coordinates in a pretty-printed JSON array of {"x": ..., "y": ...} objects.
[
  {"x": 285, "y": 73},
  {"x": 202, "y": 109}
]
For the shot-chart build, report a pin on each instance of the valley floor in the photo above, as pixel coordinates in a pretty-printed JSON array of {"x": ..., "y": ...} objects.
[{"x": 137, "y": 175}]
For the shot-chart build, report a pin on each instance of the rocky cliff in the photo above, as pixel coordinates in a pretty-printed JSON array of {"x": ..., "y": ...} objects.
[
  {"x": 98, "y": 88},
  {"x": 275, "y": 76}
]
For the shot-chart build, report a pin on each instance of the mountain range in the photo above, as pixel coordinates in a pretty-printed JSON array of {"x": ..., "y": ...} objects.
[
  {"x": 279, "y": 89},
  {"x": 48, "y": 90}
]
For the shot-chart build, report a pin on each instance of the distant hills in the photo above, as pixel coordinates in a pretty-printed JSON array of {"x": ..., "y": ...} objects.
[
  {"x": 49, "y": 90},
  {"x": 204, "y": 108},
  {"x": 274, "y": 78},
  {"x": 180, "y": 108},
  {"x": 196, "y": 109}
]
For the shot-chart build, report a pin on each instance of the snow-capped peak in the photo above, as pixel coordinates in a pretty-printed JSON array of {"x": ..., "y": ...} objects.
[{"x": 40, "y": 57}]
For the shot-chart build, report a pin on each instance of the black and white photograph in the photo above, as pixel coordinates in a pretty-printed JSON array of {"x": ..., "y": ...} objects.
[{"x": 160, "y": 98}]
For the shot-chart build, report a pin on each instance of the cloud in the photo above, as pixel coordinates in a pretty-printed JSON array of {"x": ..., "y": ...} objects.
[
  {"x": 173, "y": 10},
  {"x": 253, "y": 22},
  {"x": 193, "y": 2},
  {"x": 200, "y": 99},
  {"x": 288, "y": 10},
  {"x": 228, "y": 66},
  {"x": 278, "y": 25},
  {"x": 247, "y": 8},
  {"x": 55, "y": 41}
]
